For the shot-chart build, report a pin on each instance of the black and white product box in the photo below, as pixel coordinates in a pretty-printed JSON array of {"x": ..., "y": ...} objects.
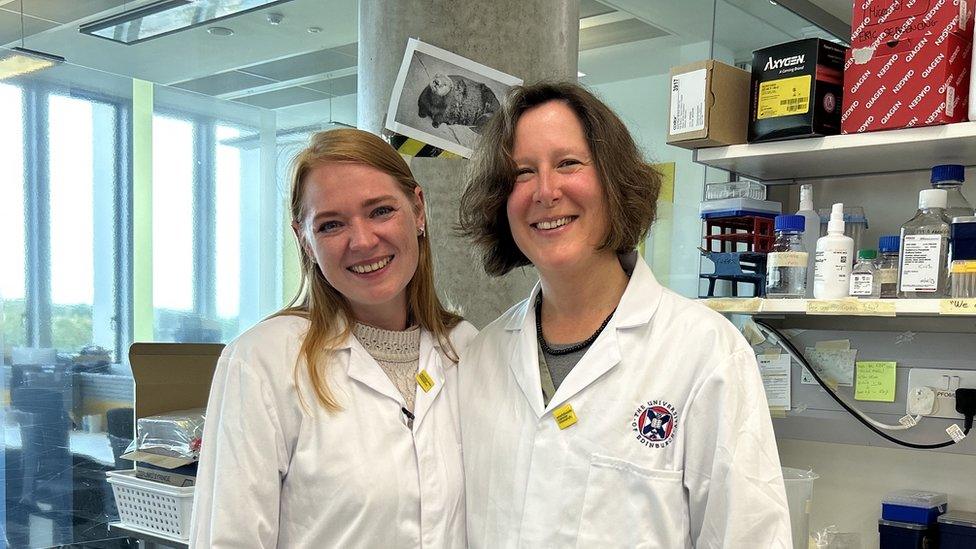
[{"x": 797, "y": 90}]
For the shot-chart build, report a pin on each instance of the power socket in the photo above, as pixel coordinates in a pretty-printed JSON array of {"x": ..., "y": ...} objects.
[
  {"x": 921, "y": 401},
  {"x": 943, "y": 384}
]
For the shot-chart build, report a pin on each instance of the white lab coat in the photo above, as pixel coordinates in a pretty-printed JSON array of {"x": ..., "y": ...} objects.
[
  {"x": 273, "y": 475},
  {"x": 707, "y": 474}
]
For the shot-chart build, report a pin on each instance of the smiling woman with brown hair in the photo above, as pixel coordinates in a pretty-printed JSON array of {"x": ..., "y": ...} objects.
[
  {"x": 604, "y": 410},
  {"x": 334, "y": 422}
]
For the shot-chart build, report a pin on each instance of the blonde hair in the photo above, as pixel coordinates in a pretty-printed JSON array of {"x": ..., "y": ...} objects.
[{"x": 327, "y": 310}]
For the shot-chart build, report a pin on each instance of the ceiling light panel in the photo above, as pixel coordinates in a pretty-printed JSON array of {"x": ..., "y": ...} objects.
[{"x": 168, "y": 16}]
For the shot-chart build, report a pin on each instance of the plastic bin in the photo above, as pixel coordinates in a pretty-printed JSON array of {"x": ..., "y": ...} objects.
[
  {"x": 916, "y": 506},
  {"x": 737, "y": 207},
  {"x": 906, "y": 535},
  {"x": 957, "y": 530},
  {"x": 735, "y": 189},
  {"x": 152, "y": 506},
  {"x": 799, "y": 497}
]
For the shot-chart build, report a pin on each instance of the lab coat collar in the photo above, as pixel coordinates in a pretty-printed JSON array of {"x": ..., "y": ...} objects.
[
  {"x": 431, "y": 361},
  {"x": 363, "y": 368},
  {"x": 636, "y": 308}
]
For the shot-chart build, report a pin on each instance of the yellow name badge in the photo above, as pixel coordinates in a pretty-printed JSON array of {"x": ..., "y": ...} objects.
[
  {"x": 564, "y": 416},
  {"x": 425, "y": 381}
]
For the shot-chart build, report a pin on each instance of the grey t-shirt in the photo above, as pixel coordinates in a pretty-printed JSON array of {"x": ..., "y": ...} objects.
[{"x": 553, "y": 369}]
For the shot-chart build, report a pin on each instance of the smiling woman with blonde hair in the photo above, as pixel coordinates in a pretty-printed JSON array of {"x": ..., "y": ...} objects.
[{"x": 334, "y": 422}]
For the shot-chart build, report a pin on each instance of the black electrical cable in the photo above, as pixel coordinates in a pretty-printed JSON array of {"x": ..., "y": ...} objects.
[{"x": 799, "y": 356}]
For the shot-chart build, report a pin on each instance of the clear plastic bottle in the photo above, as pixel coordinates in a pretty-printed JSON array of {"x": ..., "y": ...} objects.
[
  {"x": 786, "y": 264},
  {"x": 923, "y": 272},
  {"x": 950, "y": 177},
  {"x": 865, "y": 282},
  {"x": 888, "y": 266},
  {"x": 811, "y": 230}
]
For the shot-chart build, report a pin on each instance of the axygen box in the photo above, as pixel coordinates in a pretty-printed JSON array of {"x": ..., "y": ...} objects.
[
  {"x": 709, "y": 105},
  {"x": 919, "y": 80},
  {"x": 796, "y": 90}
]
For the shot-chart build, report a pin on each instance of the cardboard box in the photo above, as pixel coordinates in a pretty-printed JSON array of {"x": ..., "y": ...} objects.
[
  {"x": 796, "y": 90},
  {"x": 168, "y": 377},
  {"x": 921, "y": 80},
  {"x": 709, "y": 105},
  {"x": 874, "y": 22}
]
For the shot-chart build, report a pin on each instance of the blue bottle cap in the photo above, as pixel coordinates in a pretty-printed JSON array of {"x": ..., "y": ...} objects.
[
  {"x": 789, "y": 223},
  {"x": 948, "y": 172},
  {"x": 889, "y": 243}
]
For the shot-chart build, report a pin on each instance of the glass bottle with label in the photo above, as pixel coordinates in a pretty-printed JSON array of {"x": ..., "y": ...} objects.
[
  {"x": 786, "y": 264},
  {"x": 950, "y": 177},
  {"x": 925, "y": 248},
  {"x": 865, "y": 282},
  {"x": 888, "y": 266}
]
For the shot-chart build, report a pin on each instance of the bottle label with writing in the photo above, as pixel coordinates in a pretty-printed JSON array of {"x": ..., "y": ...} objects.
[
  {"x": 921, "y": 255},
  {"x": 862, "y": 284}
]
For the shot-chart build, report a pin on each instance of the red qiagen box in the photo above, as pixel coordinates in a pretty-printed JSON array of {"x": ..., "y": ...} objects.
[
  {"x": 877, "y": 21},
  {"x": 920, "y": 80}
]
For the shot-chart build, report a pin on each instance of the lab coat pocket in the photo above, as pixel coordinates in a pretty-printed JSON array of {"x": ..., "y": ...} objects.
[{"x": 626, "y": 505}]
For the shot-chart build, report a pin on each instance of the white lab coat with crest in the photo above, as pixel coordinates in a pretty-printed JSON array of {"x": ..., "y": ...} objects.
[
  {"x": 673, "y": 445},
  {"x": 274, "y": 475}
]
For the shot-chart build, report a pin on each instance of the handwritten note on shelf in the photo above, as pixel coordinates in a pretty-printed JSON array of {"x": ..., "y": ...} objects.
[
  {"x": 851, "y": 306},
  {"x": 834, "y": 366},
  {"x": 733, "y": 305},
  {"x": 875, "y": 381},
  {"x": 959, "y": 306}
]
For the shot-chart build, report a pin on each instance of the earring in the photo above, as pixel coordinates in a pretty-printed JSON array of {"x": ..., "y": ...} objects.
[{"x": 421, "y": 232}]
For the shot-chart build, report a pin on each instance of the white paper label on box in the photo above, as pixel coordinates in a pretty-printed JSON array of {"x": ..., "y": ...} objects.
[
  {"x": 775, "y": 372},
  {"x": 688, "y": 102},
  {"x": 950, "y": 100},
  {"x": 962, "y": 15},
  {"x": 920, "y": 263}
]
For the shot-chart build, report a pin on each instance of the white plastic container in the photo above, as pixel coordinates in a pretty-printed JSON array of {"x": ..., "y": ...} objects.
[
  {"x": 799, "y": 499},
  {"x": 835, "y": 253},
  {"x": 152, "y": 507},
  {"x": 811, "y": 232}
]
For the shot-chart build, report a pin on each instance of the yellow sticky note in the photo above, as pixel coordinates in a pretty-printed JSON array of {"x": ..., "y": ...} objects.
[
  {"x": 425, "y": 381},
  {"x": 564, "y": 416},
  {"x": 875, "y": 381},
  {"x": 961, "y": 306}
]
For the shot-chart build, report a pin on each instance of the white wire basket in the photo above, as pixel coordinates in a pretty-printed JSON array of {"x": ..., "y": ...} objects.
[{"x": 152, "y": 506}]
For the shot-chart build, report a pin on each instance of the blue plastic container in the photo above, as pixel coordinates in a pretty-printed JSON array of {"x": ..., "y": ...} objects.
[
  {"x": 914, "y": 506},
  {"x": 907, "y": 535},
  {"x": 957, "y": 530}
]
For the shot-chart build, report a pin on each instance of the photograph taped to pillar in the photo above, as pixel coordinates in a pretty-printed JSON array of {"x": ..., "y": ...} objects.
[{"x": 443, "y": 99}]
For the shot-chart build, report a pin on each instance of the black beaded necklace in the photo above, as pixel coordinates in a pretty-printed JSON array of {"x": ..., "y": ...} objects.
[{"x": 573, "y": 348}]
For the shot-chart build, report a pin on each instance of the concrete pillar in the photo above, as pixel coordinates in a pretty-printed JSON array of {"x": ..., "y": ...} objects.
[{"x": 530, "y": 39}]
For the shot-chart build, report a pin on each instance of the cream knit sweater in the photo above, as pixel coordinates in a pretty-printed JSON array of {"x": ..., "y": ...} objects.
[{"x": 397, "y": 353}]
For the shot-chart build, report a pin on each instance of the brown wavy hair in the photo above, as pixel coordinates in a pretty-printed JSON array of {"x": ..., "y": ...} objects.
[
  {"x": 327, "y": 310},
  {"x": 630, "y": 185}
]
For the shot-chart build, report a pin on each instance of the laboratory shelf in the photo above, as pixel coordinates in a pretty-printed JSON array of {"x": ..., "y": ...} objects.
[
  {"x": 844, "y": 307},
  {"x": 909, "y": 149}
]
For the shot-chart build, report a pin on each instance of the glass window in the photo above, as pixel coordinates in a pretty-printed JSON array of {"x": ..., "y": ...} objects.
[
  {"x": 71, "y": 221},
  {"x": 228, "y": 229},
  {"x": 12, "y": 267},
  {"x": 173, "y": 223}
]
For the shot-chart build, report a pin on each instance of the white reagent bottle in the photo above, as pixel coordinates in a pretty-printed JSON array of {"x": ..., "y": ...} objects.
[{"x": 835, "y": 253}]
